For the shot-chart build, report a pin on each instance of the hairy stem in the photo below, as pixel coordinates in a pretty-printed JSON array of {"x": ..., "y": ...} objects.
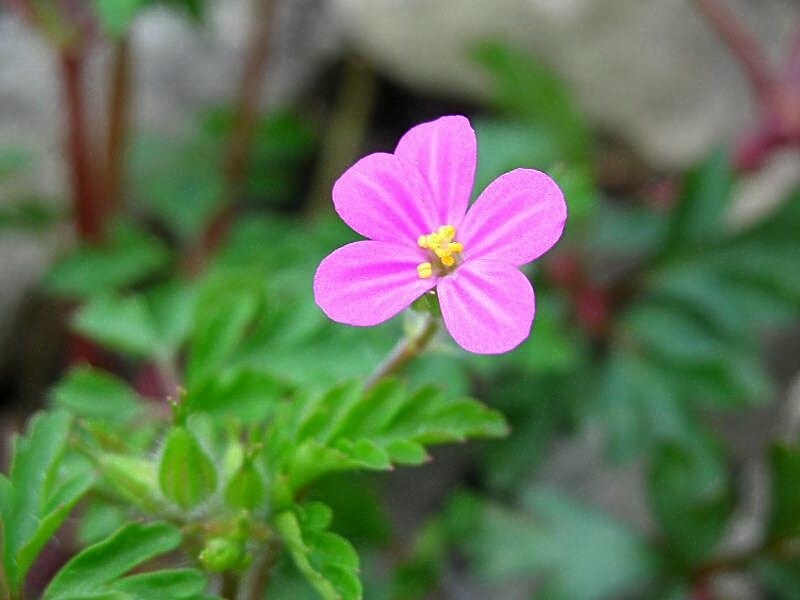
[
  {"x": 118, "y": 122},
  {"x": 743, "y": 45},
  {"x": 404, "y": 352},
  {"x": 85, "y": 200},
  {"x": 346, "y": 130}
]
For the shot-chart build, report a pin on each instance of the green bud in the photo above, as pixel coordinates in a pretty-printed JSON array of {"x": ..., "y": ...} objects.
[
  {"x": 223, "y": 554},
  {"x": 246, "y": 488},
  {"x": 186, "y": 475}
]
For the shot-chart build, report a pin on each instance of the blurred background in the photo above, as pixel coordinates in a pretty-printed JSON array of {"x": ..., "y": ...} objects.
[{"x": 655, "y": 411}]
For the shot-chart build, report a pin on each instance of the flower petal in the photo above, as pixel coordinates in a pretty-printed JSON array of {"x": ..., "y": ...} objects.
[
  {"x": 445, "y": 152},
  {"x": 386, "y": 199},
  {"x": 519, "y": 217},
  {"x": 368, "y": 282},
  {"x": 487, "y": 306}
]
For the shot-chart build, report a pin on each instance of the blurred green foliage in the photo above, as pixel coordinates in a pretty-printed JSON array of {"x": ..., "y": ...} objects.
[{"x": 651, "y": 316}]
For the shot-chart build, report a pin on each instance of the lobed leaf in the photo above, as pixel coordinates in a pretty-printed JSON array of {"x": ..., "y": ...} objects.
[{"x": 327, "y": 561}]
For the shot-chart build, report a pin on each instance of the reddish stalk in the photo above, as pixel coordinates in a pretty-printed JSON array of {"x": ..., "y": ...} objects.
[
  {"x": 743, "y": 45},
  {"x": 85, "y": 199},
  {"x": 118, "y": 123},
  {"x": 240, "y": 142},
  {"x": 249, "y": 96}
]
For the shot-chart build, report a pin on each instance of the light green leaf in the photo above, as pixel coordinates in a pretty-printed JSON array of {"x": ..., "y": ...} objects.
[
  {"x": 327, "y": 560},
  {"x": 174, "y": 583},
  {"x": 90, "y": 393},
  {"x": 34, "y": 501},
  {"x": 346, "y": 429},
  {"x": 116, "y": 15},
  {"x": 119, "y": 322},
  {"x": 186, "y": 474},
  {"x": 93, "y": 569},
  {"x": 127, "y": 257}
]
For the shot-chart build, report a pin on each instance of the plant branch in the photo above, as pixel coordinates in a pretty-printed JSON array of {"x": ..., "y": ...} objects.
[
  {"x": 85, "y": 200},
  {"x": 118, "y": 122},
  {"x": 249, "y": 97},
  {"x": 404, "y": 352},
  {"x": 743, "y": 45}
]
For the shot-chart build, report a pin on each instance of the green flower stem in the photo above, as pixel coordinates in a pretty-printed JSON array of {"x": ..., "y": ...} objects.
[{"x": 405, "y": 351}]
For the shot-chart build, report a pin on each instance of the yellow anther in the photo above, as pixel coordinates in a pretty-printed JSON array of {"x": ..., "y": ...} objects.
[
  {"x": 456, "y": 247},
  {"x": 447, "y": 232},
  {"x": 448, "y": 261},
  {"x": 422, "y": 241},
  {"x": 424, "y": 270},
  {"x": 441, "y": 252}
]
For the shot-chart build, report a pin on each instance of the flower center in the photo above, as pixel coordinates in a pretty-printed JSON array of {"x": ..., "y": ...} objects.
[{"x": 442, "y": 249}]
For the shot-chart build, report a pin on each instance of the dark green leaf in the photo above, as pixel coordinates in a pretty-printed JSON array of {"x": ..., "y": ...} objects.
[
  {"x": 692, "y": 499},
  {"x": 784, "y": 521},
  {"x": 581, "y": 553}
]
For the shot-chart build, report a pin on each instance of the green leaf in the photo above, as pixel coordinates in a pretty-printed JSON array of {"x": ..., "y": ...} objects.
[
  {"x": 582, "y": 554},
  {"x": 131, "y": 478},
  {"x": 784, "y": 521},
  {"x": 186, "y": 475},
  {"x": 327, "y": 560},
  {"x": 638, "y": 406},
  {"x": 127, "y": 257},
  {"x": 226, "y": 309},
  {"x": 246, "y": 488},
  {"x": 90, "y": 393},
  {"x": 345, "y": 429},
  {"x": 151, "y": 325},
  {"x": 28, "y": 214},
  {"x": 116, "y": 15},
  {"x": 34, "y": 501},
  {"x": 691, "y": 498},
  {"x": 526, "y": 89},
  {"x": 698, "y": 217},
  {"x": 174, "y": 583},
  {"x": 244, "y": 394},
  {"x": 98, "y": 567},
  {"x": 119, "y": 322}
]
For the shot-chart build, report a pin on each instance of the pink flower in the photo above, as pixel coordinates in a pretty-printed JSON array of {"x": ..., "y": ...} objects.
[{"x": 412, "y": 207}]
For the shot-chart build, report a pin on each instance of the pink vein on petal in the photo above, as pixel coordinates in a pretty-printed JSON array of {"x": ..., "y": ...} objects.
[
  {"x": 368, "y": 282},
  {"x": 487, "y": 306},
  {"x": 386, "y": 199},
  {"x": 519, "y": 217},
  {"x": 445, "y": 151}
]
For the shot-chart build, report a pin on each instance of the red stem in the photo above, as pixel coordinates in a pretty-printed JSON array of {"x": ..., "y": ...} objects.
[
  {"x": 245, "y": 118},
  {"x": 118, "y": 122},
  {"x": 85, "y": 201},
  {"x": 249, "y": 96},
  {"x": 743, "y": 45}
]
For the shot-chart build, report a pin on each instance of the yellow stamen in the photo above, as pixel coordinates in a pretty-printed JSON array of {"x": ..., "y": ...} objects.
[{"x": 440, "y": 245}]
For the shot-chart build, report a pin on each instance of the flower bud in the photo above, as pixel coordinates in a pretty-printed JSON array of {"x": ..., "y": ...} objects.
[
  {"x": 223, "y": 554},
  {"x": 246, "y": 488},
  {"x": 186, "y": 475}
]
